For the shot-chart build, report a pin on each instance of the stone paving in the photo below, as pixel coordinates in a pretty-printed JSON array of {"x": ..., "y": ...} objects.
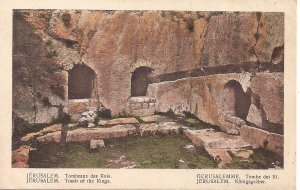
[{"x": 217, "y": 144}]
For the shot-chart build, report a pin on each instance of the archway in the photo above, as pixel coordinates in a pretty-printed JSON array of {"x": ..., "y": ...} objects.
[
  {"x": 236, "y": 102},
  {"x": 80, "y": 82},
  {"x": 140, "y": 80}
]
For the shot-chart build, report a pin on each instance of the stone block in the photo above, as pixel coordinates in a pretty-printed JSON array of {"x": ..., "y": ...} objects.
[
  {"x": 75, "y": 117},
  {"x": 77, "y": 107},
  {"x": 139, "y": 99},
  {"x": 151, "y": 105},
  {"x": 20, "y": 165},
  {"x": 21, "y": 154},
  {"x": 256, "y": 137},
  {"x": 235, "y": 120},
  {"x": 221, "y": 156},
  {"x": 149, "y": 129},
  {"x": 147, "y": 99},
  {"x": 87, "y": 134},
  {"x": 269, "y": 87},
  {"x": 96, "y": 144},
  {"x": 208, "y": 138},
  {"x": 154, "y": 118},
  {"x": 136, "y": 106},
  {"x": 50, "y": 129},
  {"x": 152, "y": 100},
  {"x": 145, "y": 105},
  {"x": 92, "y": 109},
  {"x": 90, "y": 125},
  {"x": 254, "y": 116},
  {"x": 275, "y": 143},
  {"x": 143, "y": 112},
  {"x": 118, "y": 121},
  {"x": 242, "y": 153},
  {"x": 94, "y": 103},
  {"x": 50, "y": 137},
  {"x": 164, "y": 128}
]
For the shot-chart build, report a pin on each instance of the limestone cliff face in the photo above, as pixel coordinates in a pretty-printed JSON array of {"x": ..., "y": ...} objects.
[
  {"x": 176, "y": 40},
  {"x": 233, "y": 38},
  {"x": 206, "y": 97},
  {"x": 115, "y": 43},
  {"x": 38, "y": 81}
]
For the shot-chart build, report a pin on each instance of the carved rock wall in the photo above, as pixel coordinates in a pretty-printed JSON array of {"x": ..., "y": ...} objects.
[
  {"x": 115, "y": 43},
  {"x": 206, "y": 98}
]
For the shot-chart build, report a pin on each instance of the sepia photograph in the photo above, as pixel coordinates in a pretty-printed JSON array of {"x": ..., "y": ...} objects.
[{"x": 147, "y": 89}]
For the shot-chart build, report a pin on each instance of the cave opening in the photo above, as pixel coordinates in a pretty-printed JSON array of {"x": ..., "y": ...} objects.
[
  {"x": 81, "y": 82},
  {"x": 140, "y": 80},
  {"x": 236, "y": 101}
]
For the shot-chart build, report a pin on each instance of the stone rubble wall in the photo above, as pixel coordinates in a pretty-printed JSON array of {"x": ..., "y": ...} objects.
[
  {"x": 77, "y": 107},
  {"x": 141, "y": 106}
]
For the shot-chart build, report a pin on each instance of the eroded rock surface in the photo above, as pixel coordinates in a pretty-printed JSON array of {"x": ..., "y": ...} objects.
[
  {"x": 97, "y": 144},
  {"x": 20, "y": 157},
  {"x": 163, "y": 128},
  {"x": 122, "y": 163},
  {"x": 255, "y": 116},
  {"x": 87, "y": 118},
  {"x": 217, "y": 144},
  {"x": 115, "y": 43},
  {"x": 154, "y": 118},
  {"x": 50, "y": 129},
  {"x": 87, "y": 134},
  {"x": 270, "y": 91},
  {"x": 259, "y": 138},
  {"x": 141, "y": 106},
  {"x": 118, "y": 121}
]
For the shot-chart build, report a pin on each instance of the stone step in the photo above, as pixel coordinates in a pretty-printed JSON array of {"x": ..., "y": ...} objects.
[
  {"x": 88, "y": 134},
  {"x": 117, "y": 131},
  {"x": 155, "y": 118},
  {"x": 118, "y": 121},
  {"x": 218, "y": 144},
  {"x": 161, "y": 128},
  {"x": 50, "y": 129}
]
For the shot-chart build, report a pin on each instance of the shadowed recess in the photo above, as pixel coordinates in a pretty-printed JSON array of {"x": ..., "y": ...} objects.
[
  {"x": 81, "y": 82},
  {"x": 237, "y": 101},
  {"x": 140, "y": 80}
]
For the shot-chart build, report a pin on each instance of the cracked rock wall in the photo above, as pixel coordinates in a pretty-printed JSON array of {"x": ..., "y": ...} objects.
[
  {"x": 206, "y": 98},
  {"x": 38, "y": 82},
  {"x": 115, "y": 43}
]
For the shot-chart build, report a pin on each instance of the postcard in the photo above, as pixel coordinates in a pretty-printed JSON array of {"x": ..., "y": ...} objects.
[{"x": 148, "y": 94}]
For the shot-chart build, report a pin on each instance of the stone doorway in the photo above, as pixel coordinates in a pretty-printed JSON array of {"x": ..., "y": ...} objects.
[
  {"x": 140, "y": 80},
  {"x": 236, "y": 101},
  {"x": 81, "y": 82}
]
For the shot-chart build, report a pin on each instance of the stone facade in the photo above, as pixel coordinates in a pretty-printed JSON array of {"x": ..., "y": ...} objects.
[{"x": 198, "y": 62}]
